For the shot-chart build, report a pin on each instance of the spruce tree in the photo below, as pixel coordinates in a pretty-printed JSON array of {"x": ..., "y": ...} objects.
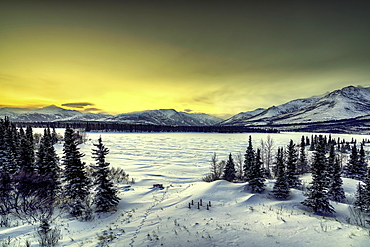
[
  {"x": 47, "y": 165},
  {"x": 362, "y": 164},
  {"x": 357, "y": 166},
  {"x": 54, "y": 136},
  {"x": 77, "y": 184},
  {"x": 336, "y": 191},
  {"x": 249, "y": 160},
  {"x": 5, "y": 176},
  {"x": 302, "y": 166},
  {"x": 281, "y": 189},
  {"x": 26, "y": 153},
  {"x": 229, "y": 171},
  {"x": 312, "y": 145},
  {"x": 362, "y": 201},
  {"x": 11, "y": 147},
  {"x": 330, "y": 165},
  {"x": 5, "y": 180},
  {"x": 361, "y": 198},
  {"x": 3, "y": 147},
  {"x": 367, "y": 191},
  {"x": 106, "y": 197},
  {"x": 291, "y": 166},
  {"x": 256, "y": 180},
  {"x": 350, "y": 170},
  {"x": 279, "y": 162},
  {"x": 317, "y": 197}
]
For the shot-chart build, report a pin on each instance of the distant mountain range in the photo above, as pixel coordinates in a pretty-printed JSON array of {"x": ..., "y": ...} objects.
[
  {"x": 344, "y": 110},
  {"x": 153, "y": 117}
]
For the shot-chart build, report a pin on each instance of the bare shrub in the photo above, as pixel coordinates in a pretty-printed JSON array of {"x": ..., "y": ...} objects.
[
  {"x": 239, "y": 163},
  {"x": 216, "y": 169},
  {"x": 357, "y": 217},
  {"x": 48, "y": 236}
]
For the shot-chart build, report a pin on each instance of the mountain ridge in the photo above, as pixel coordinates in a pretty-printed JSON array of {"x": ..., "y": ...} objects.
[
  {"x": 349, "y": 106},
  {"x": 54, "y": 113},
  {"x": 347, "y": 103}
]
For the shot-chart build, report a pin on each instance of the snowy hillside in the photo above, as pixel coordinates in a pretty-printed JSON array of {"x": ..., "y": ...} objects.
[
  {"x": 155, "y": 117},
  {"x": 350, "y": 102},
  {"x": 262, "y": 116},
  {"x": 240, "y": 117},
  {"x": 347, "y": 103}
]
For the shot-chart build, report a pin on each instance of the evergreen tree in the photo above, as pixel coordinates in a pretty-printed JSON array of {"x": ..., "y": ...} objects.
[
  {"x": 302, "y": 166},
  {"x": 307, "y": 141},
  {"x": 11, "y": 147},
  {"x": 312, "y": 146},
  {"x": 362, "y": 201},
  {"x": 3, "y": 148},
  {"x": 281, "y": 188},
  {"x": 291, "y": 166},
  {"x": 367, "y": 190},
  {"x": 335, "y": 192},
  {"x": 29, "y": 135},
  {"x": 249, "y": 160},
  {"x": 106, "y": 197},
  {"x": 330, "y": 165},
  {"x": 54, "y": 136},
  {"x": 229, "y": 171},
  {"x": 5, "y": 176},
  {"x": 362, "y": 164},
  {"x": 279, "y": 162},
  {"x": 350, "y": 170},
  {"x": 357, "y": 166},
  {"x": 26, "y": 153},
  {"x": 76, "y": 182},
  {"x": 317, "y": 197},
  {"x": 361, "y": 198},
  {"x": 5, "y": 180},
  {"x": 47, "y": 165},
  {"x": 256, "y": 180}
]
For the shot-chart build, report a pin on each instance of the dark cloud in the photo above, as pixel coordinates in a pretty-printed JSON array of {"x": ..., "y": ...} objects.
[
  {"x": 79, "y": 105},
  {"x": 188, "y": 110},
  {"x": 92, "y": 109}
]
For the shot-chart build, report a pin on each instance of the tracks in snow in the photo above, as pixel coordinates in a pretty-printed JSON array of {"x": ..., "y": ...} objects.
[{"x": 147, "y": 213}]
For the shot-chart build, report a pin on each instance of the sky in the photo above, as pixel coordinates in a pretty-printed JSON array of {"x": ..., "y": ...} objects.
[{"x": 214, "y": 57}]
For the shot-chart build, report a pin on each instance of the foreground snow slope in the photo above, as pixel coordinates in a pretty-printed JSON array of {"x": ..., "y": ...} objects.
[{"x": 154, "y": 217}]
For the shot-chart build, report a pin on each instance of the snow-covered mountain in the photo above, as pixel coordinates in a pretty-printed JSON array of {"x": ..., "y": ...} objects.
[
  {"x": 166, "y": 117},
  {"x": 263, "y": 116},
  {"x": 46, "y": 114},
  {"x": 240, "y": 117},
  {"x": 156, "y": 117},
  {"x": 347, "y": 103}
]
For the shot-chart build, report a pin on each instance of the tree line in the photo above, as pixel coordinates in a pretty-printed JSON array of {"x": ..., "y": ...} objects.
[
  {"x": 123, "y": 127},
  {"x": 326, "y": 168},
  {"x": 34, "y": 183}
]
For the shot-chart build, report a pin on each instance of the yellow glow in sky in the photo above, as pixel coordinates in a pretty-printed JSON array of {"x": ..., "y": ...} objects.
[{"x": 129, "y": 57}]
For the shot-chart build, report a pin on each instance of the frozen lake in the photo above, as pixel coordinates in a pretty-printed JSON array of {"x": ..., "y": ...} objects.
[{"x": 177, "y": 157}]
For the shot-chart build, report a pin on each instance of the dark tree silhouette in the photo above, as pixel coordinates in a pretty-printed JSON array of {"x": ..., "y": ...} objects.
[{"x": 106, "y": 198}]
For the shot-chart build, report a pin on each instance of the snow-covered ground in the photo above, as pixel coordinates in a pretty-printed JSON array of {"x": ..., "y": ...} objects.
[{"x": 153, "y": 217}]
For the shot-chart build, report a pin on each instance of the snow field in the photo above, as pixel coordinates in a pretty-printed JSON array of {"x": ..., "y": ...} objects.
[{"x": 148, "y": 216}]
